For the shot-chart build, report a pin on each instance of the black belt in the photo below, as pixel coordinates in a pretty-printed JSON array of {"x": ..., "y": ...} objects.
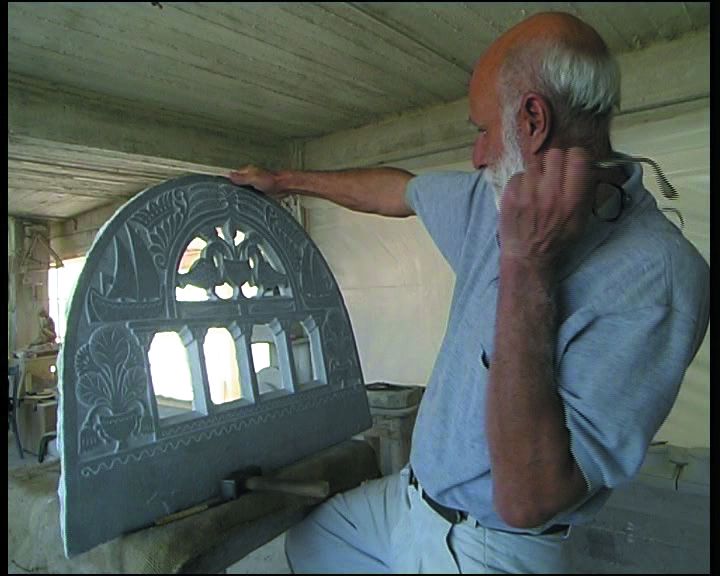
[
  {"x": 455, "y": 516},
  {"x": 450, "y": 514}
]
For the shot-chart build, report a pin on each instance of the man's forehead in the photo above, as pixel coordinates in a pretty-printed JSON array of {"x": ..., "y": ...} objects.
[
  {"x": 483, "y": 79},
  {"x": 483, "y": 82},
  {"x": 551, "y": 26},
  {"x": 488, "y": 65}
]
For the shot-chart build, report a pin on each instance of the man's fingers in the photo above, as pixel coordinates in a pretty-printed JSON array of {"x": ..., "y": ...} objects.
[
  {"x": 578, "y": 176},
  {"x": 514, "y": 183},
  {"x": 513, "y": 187},
  {"x": 241, "y": 174},
  {"x": 262, "y": 180}
]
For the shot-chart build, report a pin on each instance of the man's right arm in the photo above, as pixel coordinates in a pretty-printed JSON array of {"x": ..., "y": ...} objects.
[{"x": 372, "y": 190}]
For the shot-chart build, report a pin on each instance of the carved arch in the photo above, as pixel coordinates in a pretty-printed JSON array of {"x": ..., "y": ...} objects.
[{"x": 113, "y": 442}]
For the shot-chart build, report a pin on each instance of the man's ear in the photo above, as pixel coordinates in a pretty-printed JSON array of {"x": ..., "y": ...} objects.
[{"x": 535, "y": 121}]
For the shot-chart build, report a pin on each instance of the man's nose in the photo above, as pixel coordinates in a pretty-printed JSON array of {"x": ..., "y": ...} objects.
[{"x": 479, "y": 158}]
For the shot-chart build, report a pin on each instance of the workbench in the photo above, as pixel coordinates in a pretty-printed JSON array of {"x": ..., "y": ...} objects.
[{"x": 203, "y": 543}]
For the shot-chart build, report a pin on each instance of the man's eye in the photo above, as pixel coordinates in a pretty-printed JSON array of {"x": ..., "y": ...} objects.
[{"x": 475, "y": 127}]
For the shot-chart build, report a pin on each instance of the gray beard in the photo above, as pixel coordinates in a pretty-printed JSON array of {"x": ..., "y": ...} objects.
[{"x": 509, "y": 164}]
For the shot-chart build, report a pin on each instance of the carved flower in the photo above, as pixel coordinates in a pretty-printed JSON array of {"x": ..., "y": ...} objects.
[{"x": 111, "y": 381}]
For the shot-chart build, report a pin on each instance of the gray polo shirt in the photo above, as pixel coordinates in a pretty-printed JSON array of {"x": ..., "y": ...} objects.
[{"x": 633, "y": 310}]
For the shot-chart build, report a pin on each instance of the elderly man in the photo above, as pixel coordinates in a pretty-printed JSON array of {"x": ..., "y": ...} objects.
[{"x": 577, "y": 309}]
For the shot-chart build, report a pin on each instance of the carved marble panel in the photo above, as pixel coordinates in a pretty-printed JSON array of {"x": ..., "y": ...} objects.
[{"x": 258, "y": 279}]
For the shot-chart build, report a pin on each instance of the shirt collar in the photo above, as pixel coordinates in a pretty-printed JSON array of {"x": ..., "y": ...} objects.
[{"x": 598, "y": 230}]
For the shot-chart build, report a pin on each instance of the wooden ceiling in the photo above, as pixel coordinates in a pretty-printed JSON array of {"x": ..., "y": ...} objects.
[{"x": 267, "y": 72}]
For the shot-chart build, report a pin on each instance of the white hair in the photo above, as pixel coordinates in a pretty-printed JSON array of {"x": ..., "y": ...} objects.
[
  {"x": 587, "y": 82},
  {"x": 582, "y": 87}
]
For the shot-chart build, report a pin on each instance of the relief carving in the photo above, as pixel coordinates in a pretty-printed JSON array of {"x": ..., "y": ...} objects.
[
  {"x": 112, "y": 384},
  {"x": 161, "y": 219},
  {"x": 111, "y": 420},
  {"x": 340, "y": 354},
  {"x": 133, "y": 290}
]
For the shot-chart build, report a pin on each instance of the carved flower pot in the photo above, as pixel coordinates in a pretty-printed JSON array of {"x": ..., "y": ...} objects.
[{"x": 119, "y": 426}]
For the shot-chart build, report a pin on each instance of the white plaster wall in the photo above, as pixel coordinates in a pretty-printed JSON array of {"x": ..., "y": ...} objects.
[
  {"x": 397, "y": 286},
  {"x": 681, "y": 145}
]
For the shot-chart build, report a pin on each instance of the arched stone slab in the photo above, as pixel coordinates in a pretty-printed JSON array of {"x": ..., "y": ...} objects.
[{"x": 124, "y": 462}]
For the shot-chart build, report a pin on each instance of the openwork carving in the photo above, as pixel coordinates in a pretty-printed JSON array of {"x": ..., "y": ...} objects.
[
  {"x": 222, "y": 261},
  {"x": 248, "y": 265}
]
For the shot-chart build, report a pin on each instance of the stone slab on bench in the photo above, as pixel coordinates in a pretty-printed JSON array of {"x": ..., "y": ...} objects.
[{"x": 206, "y": 542}]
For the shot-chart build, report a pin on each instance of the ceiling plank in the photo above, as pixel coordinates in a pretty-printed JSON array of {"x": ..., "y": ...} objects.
[
  {"x": 44, "y": 111},
  {"x": 407, "y": 33},
  {"x": 105, "y": 98},
  {"x": 50, "y": 205},
  {"x": 48, "y": 179},
  {"x": 264, "y": 45},
  {"x": 251, "y": 108},
  {"x": 444, "y": 128},
  {"x": 69, "y": 186},
  {"x": 209, "y": 61},
  {"x": 605, "y": 24},
  {"x": 85, "y": 157},
  {"x": 697, "y": 12},
  {"x": 291, "y": 70},
  {"x": 409, "y": 61},
  {"x": 279, "y": 39},
  {"x": 452, "y": 29}
]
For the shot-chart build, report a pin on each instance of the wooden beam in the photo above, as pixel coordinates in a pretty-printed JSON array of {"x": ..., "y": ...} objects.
[
  {"x": 43, "y": 111},
  {"x": 662, "y": 75}
]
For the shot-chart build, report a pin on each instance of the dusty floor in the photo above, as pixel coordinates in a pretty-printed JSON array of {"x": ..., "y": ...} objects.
[{"x": 14, "y": 461}]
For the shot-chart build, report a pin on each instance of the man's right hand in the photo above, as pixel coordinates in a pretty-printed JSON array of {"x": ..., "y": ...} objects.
[
  {"x": 373, "y": 190},
  {"x": 259, "y": 178}
]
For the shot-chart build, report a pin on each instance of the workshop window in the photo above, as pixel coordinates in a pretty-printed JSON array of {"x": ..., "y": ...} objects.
[
  {"x": 189, "y": 292},
  {"x": 221, "y": 366},
  {"x": 170, "y": 374},
  {"x": 307, "y": 354},
  {"x": 266, "y": 360},
  {"x": 61, "y": 285}
]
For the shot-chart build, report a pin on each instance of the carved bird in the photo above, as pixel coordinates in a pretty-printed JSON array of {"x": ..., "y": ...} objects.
[
  {"x": 264, "y": 275},
  {"x": 237, "y": 272},
  {"x": 206, "y": 271}
]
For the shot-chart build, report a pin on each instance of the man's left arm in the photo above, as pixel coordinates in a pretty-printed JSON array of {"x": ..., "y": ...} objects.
[{"x": 534, "y": 473}]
